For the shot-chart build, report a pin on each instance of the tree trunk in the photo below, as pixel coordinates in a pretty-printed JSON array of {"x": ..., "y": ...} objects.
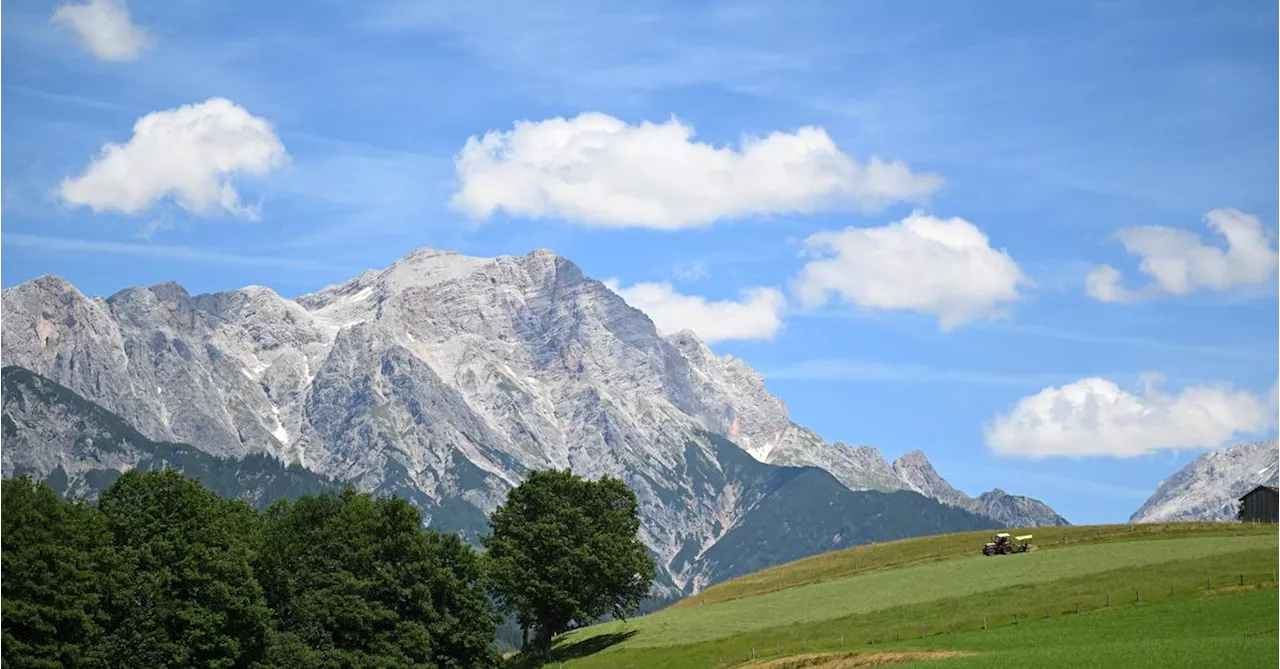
[
  {"x": 544, "y": 642},
  {"x": 524, "y": 637}
]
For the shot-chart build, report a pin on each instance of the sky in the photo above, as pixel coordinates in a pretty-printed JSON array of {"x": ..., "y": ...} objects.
[{"x": 1035, "y": 240}]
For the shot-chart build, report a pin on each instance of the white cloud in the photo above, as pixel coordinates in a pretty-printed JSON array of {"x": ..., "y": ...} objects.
[
  {"x": 597, "y": 170},
  {"x": 1095, "y": 417},
  {"x": 941, "y": 267},
  {"x": 104, "y": 28},
  {"x": 1179, "y": 262},
  {"x": 758, "y": 315},
  {"x": 189, "y": 153}
]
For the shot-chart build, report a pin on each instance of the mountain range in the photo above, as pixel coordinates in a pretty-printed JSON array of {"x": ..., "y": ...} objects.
[{"x": 445, "y": 379}]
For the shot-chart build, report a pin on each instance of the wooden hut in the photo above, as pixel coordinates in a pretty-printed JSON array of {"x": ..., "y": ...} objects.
[{"x": 1260, "y": 505}]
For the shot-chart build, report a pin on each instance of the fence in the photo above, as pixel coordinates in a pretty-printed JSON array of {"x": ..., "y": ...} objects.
[{"x": 877, "y": 628}]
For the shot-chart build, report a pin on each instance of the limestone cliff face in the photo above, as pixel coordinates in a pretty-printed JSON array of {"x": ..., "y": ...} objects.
[{"x": 444, "y": 378}]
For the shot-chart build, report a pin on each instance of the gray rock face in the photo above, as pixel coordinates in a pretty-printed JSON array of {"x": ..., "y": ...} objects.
[
  {"x": 917, "y": 472},
  {"x": 1209, "y": 487},
  {"x": 79, "y": 449},
  {"x": 43, "y": 432},
  {"x": 442, "y": 377}
]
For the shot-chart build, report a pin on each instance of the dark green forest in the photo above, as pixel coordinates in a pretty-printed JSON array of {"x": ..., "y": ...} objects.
[{"x": 162, "y": 572}]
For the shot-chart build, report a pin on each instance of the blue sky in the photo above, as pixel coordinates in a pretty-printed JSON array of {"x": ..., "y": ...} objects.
[{"x": 1051, "y": 129}]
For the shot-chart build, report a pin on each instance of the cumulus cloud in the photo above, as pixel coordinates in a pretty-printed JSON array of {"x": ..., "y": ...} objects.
[
  {"x": 941, "y": 267},
  {"x": 597, "y": 170},
  {"x": 1095, "y": 417},
  {"x": 104, "y": 28},
  {"x": 757, "y": 315},
  {"x": 190, "y": 153},
  {"x": 1179, "y": 262}
]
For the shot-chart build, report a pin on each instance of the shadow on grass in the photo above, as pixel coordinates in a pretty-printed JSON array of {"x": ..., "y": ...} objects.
[
  {"x": 590, "y": 646},
  {"x": 572, "y": 651}
]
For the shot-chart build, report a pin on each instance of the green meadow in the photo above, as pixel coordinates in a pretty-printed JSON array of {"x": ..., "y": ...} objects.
[{"x": 851, "y": 607}]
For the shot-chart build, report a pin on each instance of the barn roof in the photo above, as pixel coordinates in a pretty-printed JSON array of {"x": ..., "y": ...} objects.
[{"x": 1272, "y": 488}]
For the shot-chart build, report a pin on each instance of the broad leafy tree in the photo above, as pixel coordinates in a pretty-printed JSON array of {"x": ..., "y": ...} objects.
[
  {"x": 191, "y": 598},
  {"x": 57, "y": 564},
  {"x": 563, "y": 550},
  {"x": 356, "y": 582}
]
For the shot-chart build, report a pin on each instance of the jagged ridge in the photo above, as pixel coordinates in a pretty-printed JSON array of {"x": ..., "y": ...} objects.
[
  {"x": 914, "y": 469},
  {"x": 444, "y": 378}
]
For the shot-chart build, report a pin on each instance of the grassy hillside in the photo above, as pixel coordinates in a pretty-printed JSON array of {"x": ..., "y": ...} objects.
[{"x": 936, "y": 591}]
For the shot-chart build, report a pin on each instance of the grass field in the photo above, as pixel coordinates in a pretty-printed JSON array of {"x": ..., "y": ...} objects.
[{"x": 938, "y": 588}]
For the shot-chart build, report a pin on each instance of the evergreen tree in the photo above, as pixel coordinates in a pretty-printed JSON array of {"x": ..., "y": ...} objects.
[{"x": 563, "y": 550}]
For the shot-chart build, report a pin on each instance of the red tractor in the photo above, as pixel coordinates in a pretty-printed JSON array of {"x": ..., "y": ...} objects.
[{"x": 1002, "y": 545}]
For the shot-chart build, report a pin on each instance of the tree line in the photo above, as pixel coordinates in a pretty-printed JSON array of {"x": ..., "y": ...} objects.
[{"x": 162, "y": 572}]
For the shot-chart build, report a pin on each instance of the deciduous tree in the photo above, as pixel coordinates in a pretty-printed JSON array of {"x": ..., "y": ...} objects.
[{"x": 564, "y": 550}]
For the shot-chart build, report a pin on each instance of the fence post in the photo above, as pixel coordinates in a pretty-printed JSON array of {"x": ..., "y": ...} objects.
[
  {"x": 1208, "y": 582},
  {"x": 922, "y": 634},
  {"x": 1170, "y": 589},
  {"x": 897, "y": 636},
  {"x": 1137, "y": 597},
  {"x": 1077, "y": 606},
  {"x": 777, "y": 649},
  {"x": 1108, "y": 601},
  {"x": 842, "y": 639},
  {"x": 984, "y": 622},
  {"x": 1241, "y": 580}
]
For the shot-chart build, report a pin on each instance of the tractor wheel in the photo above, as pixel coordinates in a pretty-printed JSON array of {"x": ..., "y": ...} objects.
[{"x": 1007, "y": 549}]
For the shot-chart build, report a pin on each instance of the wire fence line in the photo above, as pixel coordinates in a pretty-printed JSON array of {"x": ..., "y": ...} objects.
[{"x": 861, "y": 638}]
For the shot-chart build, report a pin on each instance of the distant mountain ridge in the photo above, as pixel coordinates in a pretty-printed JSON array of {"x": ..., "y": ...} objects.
[
  {"x": 445, "y": 379},
  {"x": 918, "y": 473},
  {"x": 1209, "y": 487}
]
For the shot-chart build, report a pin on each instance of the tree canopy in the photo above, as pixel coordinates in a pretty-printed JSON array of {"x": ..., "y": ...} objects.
[
  {"x": 55, "y": 557},
  {"x": 165, "y": 573},
  {"x": 353, "y": 580},
  {"x": 564, "y": 550}
]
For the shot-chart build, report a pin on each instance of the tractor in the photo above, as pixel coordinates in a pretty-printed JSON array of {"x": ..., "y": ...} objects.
[{"x": 1002, "y": 545}]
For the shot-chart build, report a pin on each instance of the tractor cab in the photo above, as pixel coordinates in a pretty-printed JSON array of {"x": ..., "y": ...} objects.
[
  {"x": 1001, "y": 544},
  {"x": 997, "y": 544}
]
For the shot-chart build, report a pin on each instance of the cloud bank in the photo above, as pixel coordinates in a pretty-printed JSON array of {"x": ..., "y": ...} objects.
[
  {"x": 1095, "y": 417},
  {"x": 190, "y": 154},
  {"x": 757, "y": 315},
  {"x": 597, "y": 170},
  {"x": 104, "y": 28},
  {"x": 940, "y": 267},
  {"x": 1179, "y": 263}
]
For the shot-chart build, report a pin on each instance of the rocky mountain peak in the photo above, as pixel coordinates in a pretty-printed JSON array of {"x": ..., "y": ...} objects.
[
  {"x": 1209, "y": 486},
  {"x": 444, "y": 378},
  {"x": 918, "y": 474}
]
